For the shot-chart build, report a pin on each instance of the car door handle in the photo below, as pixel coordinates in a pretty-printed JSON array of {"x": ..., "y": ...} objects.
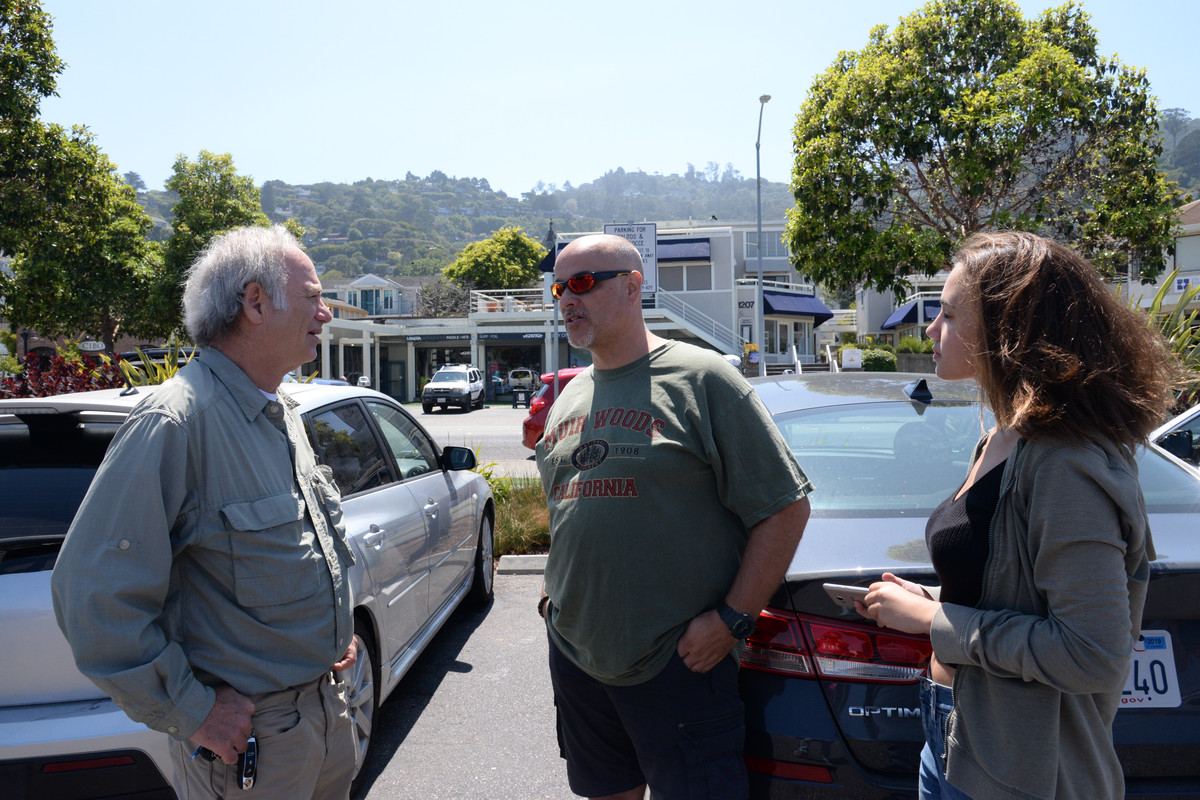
[
  {"x": 431, "y": 508},
  {"x": 374, "y": 536}
]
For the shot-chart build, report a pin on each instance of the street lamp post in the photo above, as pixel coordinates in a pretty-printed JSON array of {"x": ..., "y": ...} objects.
[{"x": 760, "y": 330}]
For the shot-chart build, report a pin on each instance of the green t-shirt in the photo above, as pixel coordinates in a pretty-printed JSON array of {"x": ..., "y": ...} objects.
[{"x": 654, "y": 474}]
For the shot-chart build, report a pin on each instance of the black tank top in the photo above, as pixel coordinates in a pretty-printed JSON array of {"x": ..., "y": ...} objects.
[{"x": 957, "y": 538}]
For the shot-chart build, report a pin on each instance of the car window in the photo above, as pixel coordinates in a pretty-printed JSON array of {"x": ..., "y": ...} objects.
[
  {"x": 449, "y": 376},
  {"x": 884, "y": 459},
  {"x": 343, "y": 441},
  {"x": 1166, "y": 487},
  {"x": 901, "y": 459},
  {"x": 414, "y": 453},
  {"x": 39, "y": 500}
]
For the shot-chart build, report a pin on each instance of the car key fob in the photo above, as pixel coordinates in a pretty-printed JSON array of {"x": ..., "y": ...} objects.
[{"x": 248, "y": 764}]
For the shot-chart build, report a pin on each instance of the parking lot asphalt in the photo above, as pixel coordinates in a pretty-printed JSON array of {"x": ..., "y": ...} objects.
[
  {"x": 474, "y": 717},
  {"x": 493, "y": 431}
]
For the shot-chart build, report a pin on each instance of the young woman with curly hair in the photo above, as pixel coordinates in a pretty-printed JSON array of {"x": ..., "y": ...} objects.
[{"x": 1043, "y": 554}]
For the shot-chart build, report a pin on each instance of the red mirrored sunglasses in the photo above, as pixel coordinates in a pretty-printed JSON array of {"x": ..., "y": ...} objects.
[{"x": 583, "y": 282}]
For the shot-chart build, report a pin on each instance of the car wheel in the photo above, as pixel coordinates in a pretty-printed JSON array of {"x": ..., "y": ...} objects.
[
  {"x": 479, "y": 402},
  {"x": 362, "y": 695},
  {"x": 427, "y": 408},
  {"x": 484, "y": 584}
]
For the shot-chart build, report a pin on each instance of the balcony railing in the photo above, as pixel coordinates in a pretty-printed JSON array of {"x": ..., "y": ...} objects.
[
  {"x": 780, "y": 286},
  {"x": 510, "y": 301}
]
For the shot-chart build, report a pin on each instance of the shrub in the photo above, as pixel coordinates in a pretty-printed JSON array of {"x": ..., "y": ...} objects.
[
  {"x": 501, "y": 485},
  {"x": 522, "y": 520},
  {"x": 878, "y": 360},
  {"x": 912, "y": 344},
  {"x": 60, "y": 376},
  {"x": 152, "y": 372}
]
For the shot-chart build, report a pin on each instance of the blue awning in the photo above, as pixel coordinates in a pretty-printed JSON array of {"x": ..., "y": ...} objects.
[
  {"x": 907, "y": 314},
  {"x": 800, "y": 305}
]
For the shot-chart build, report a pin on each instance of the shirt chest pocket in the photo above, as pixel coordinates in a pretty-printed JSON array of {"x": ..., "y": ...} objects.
[{"x": 274, "y": 560}]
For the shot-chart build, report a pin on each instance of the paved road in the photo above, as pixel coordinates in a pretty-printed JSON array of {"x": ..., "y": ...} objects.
[
  {"x": 494, "y": 429},
  {"x": 474, "y": 717}
]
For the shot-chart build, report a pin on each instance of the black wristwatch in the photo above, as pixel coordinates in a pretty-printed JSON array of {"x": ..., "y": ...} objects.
[{"x": 739, "y": 624}]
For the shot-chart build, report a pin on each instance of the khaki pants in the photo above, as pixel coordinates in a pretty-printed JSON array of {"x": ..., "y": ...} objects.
[{"x": 305, "y": 749}]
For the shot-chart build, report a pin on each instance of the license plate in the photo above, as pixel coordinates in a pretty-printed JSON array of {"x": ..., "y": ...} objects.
[
  {"x": 441, "y": 400},
  {"x": 1152, "y": 682}
]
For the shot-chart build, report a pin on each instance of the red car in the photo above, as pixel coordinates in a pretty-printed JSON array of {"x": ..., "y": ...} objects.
[{"x": 533, "y": 425}]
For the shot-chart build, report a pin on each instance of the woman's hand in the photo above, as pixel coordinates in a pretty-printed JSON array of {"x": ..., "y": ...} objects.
[{"x": 898, "y": 604}]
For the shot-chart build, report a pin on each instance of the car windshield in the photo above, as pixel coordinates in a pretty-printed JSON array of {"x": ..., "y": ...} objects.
[
  {"x": 903, "y": 459},
  {"x": 449, "y": 377}
]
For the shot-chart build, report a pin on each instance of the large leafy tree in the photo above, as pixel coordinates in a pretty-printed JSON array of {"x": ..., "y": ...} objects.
[
  {"x": 213, "y": 198},
  {"x": 967, "y": 117},
  {"x": 31, "y": 186},
  {"x": 81, "y": 264},
  {"x": 92, "y": 271},
  {"x": 508, "y": 260}
]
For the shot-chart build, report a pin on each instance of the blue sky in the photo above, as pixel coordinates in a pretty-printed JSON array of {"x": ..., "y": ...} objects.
[{"x": 305, "y": 91}]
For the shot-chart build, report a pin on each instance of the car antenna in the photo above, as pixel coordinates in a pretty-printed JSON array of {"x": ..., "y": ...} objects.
[{"x": 919, "y": 394}]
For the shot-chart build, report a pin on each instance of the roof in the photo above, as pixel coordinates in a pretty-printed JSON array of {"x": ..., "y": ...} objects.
[{"x": 1190, "y": 213}]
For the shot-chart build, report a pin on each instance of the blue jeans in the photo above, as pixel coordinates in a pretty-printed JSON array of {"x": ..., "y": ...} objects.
[{"x": 937, "y": 702}]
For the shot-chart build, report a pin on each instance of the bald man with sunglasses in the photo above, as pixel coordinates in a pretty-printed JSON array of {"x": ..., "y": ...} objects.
[{"x": 675, "y": 507}]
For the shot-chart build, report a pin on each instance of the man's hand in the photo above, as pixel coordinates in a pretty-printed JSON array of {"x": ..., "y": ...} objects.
[
  {"x": 705, "y": 642},
  {"x": 227, "y": 727},
  {"x": 348, "y": 660}
]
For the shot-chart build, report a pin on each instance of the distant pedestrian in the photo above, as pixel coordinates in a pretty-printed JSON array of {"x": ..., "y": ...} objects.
[
  {"x": 1044, "y": 552},
  {"x": 675, "y": 508},
  {"x": 203, "y": 584}
]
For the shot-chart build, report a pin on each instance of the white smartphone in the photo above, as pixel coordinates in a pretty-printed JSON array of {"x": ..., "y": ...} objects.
[{"x": 845, "y": 595}]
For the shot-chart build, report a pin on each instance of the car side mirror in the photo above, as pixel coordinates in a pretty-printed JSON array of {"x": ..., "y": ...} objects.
[
  {"x": 1178, "y": 443},
  {"x": 457, "y": 458}
]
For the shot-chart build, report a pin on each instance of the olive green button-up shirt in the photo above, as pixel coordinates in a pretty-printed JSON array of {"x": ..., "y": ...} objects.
[{"x": 209, "y": 549}]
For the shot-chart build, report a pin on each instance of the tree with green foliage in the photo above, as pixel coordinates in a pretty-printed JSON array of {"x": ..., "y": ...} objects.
[
  {"x": 135, "y": 180},
  {"x": 213, "y": 198},
  {"x": 1175, "y": 121},
  {"x": 93, "y": 272},
  {"x": 967, "y": 117},
  {"x": 1187, "y": 156},
  {"x": 444, "y": 298},
  {"x": 508, "y": 260},
  {"x": 81, "y": 263},
  {"x": 32, "y": 185}
]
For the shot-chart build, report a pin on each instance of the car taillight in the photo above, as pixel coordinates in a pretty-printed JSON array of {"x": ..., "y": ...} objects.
[
  {"x": 777, "y": 645},
  {"x": 792, "y": 644},
  {"x": 536, "y": 405}
]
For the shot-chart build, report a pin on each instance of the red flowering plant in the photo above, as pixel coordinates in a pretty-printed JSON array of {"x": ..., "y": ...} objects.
[{"x": 58, "y": 375}]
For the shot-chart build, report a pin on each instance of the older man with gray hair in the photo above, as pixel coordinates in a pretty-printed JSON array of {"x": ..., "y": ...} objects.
[{"x": 203, "y": 582}]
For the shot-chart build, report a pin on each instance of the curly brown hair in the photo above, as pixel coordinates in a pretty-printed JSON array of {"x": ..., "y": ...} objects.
[{"x": 1059, "y": 353}]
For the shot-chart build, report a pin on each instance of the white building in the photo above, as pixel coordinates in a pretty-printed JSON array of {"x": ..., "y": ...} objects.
[{"x": 706, "y": 292}]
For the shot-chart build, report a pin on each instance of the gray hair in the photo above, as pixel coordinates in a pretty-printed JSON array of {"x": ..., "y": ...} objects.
[{"x": 212, "y": 297}]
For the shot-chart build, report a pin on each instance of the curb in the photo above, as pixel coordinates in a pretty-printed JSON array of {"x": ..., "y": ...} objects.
[{"x": 521, "y": 565}]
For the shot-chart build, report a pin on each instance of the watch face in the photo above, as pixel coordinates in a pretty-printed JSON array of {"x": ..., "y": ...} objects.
[{"x": 740, "y": 625}]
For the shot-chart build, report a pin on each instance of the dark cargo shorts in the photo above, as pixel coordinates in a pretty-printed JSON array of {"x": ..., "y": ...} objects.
[{"x": 680, "y": 732}]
